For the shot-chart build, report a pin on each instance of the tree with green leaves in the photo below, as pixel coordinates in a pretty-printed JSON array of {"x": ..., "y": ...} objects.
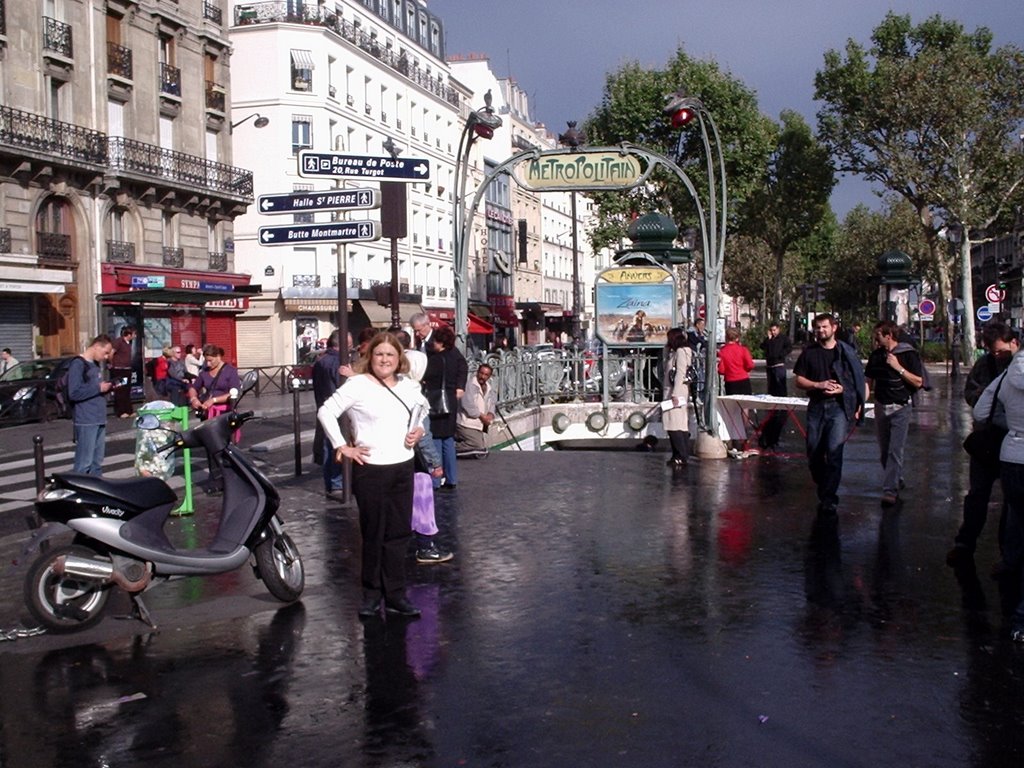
[
  {"x": 932, "y": 113},
  {"x": 792, "y": 197},
  {"x": 631, "y": 110}
]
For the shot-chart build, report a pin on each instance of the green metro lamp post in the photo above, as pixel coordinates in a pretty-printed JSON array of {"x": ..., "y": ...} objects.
[
  {"x": 682, "y": 109},
  {"x": 479, "y": 125},
  {"x": 574, "y": 138}
]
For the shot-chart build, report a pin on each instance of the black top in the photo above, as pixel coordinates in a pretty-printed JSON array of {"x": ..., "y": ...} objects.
[
  {"x": 326, "y": 378},
  {"x": 776, "y": 350},
  {"x": 890, "y": 387},
  {"x": 447, "y": 368},
  {"x": 817, "y": 364}
]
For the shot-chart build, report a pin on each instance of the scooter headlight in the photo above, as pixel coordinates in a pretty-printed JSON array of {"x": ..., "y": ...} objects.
[{"x": 54, "y": 494}]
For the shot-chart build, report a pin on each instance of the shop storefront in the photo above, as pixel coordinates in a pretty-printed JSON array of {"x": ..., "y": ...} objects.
[
  {"x": 172, "y": 307},
  {"x": 29, "y": 296}
]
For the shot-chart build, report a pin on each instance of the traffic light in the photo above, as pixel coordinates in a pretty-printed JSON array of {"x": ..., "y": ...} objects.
[{"x": 819, "y": 290}]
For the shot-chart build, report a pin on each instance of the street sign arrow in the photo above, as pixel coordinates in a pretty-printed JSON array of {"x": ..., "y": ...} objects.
[
  {"x": 336, "y": 165},
  {"x": 338, "y": 232},
  {"x": 328, "y": 200}
]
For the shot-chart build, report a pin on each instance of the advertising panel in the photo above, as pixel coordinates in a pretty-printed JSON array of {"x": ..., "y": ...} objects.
[{"x": 635, "y": 306}]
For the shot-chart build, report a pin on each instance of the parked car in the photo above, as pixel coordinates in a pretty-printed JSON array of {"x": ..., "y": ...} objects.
[{"x": 28, "y": 390}]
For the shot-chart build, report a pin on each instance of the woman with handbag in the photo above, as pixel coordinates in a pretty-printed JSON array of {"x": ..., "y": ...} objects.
[
  {"x": 443, "y": 385},
  {"x": 1006, "y": 393},
  {"x": 384, "y": 408},
  {"x": 209, "y": 395},
  {"x": 676, "y": 419}
]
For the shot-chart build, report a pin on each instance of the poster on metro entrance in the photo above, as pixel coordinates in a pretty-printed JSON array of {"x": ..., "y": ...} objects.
[{"x": 635, "y": 306}]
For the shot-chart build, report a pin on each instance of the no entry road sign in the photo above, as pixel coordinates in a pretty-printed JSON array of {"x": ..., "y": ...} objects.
[
  {"x": 339, "y": 232},
  {"x": 330, "y": 200},
  {"x": 336, "y": 165}
]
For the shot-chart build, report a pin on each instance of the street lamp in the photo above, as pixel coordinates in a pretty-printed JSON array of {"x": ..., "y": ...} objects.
[
  {"x": 574, "y": 138},
  {"x": 682, "y": 109},
  {"x": 260, "y": 122},
  {"x": 480, "y": 124}
]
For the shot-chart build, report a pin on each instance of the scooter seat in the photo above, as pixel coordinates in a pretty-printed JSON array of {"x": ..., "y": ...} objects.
[{"x": 139, "y": 492}]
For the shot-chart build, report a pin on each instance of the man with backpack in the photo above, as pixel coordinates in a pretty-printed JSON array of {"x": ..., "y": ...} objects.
[
  {"x": 894, "y": 373},
  {"x": 87, "y": 395}
]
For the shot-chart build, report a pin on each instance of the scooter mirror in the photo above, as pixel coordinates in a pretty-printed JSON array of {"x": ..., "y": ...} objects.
[{"x": 249, "y": 379}]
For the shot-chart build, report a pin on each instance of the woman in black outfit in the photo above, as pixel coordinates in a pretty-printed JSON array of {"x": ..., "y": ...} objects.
[{"x": 446, "y": 369}]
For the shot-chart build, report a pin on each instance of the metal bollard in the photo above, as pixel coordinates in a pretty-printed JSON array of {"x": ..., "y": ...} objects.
[
  {"x": 296, "y": 427},
  {"x": 40, "y": 464}
]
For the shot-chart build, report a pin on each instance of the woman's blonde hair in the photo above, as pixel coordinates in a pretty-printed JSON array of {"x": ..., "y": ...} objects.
[
  {"x": 362, "y": 365},
  {"x": 168, "y": 352}
]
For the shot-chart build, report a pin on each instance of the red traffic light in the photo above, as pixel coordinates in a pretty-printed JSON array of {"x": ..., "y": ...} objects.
[{"x": 681, "y": 117}]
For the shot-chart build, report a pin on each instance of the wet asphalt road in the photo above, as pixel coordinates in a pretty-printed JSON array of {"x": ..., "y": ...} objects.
[{"x": 601, "y": 611}]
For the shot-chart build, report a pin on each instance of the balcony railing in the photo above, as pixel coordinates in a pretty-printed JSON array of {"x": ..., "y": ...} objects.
[
  {"x": 218, "y": 261},
  {"x": 305, "y": 281},
  {"x": 5, "y": 232},
  {"x": 119, "y": 60},
  {"x": 403, "y": 287},
  {"x": 120, "y": 252},
  {"x": 170, "y": 79},
  {"x": 26, "y": 130},
  {"x": 212, "y": 12},
  {"x": 151, "y": 161},
  {"x": 355, "y": 282},
  {"x": 54, "y": 246},
  {"x": 173, "y": 257},
  {"x": 283, "y": 11},
  {"x": 214, "y": 96},
  {"x": 431, "y": 290},
  {"x": 57, "y": 37}
]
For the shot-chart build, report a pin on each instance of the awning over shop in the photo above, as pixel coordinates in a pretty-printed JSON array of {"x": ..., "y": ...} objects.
[
  {"x": 476, "y": 325},
  {"x": 439, "y": 317},
  {"x": 380, "y": 316},
  {"x": 185, "y": 296},
  {"x": 505, "y": 316}
]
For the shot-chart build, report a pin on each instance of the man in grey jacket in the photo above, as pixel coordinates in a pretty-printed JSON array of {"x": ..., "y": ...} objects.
[{"x": 87, "y": 394}]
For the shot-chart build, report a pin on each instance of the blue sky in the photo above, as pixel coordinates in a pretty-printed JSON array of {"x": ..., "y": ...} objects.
[{"x": 560, "y": 53}]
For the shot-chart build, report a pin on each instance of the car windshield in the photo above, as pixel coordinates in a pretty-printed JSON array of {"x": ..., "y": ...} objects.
[{"x": 33, "y": 369}]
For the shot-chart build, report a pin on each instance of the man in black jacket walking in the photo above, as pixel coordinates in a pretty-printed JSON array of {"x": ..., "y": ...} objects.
[{"x": 326, "y": 380}]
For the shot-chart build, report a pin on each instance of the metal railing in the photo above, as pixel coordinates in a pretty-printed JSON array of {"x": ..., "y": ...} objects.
[
  {"x": 135, "y": 157},
  {"x": 5, "y": 236},
  {"x": 305, "y": 281},
  {"x": 170, "y": 80},
  {"x": 215, "y": 97},
  {"x": 218, "y": 261},
  {"x": 57, "y": 37},
  {"x": 212, "y": 12},
  {"x": 283, "y": 11},
  {"x": 276, "y": 379},
  {"x": 119, "y": 60},
  {"x": 54, "y": 246},
  {"x": 120, "y": 252},
  {"x": 52, "y": 137},
  {"x": 173, "y": 257},
  {"x": 527, "y": 377}
]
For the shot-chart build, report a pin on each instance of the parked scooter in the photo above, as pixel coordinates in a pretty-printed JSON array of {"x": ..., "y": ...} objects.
[{"x": 120, "y": 540}]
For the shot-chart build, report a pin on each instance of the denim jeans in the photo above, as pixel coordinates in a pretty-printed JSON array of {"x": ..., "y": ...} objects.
[
  {"x": 331, "y": 469},
  {"x": 1012, "y": 540},
  {"x": 90, "y": 448},
  {"x": 891, "y": 430},
  {"x": 446, "y": 449},
  {"x": 827, "y": 430}
]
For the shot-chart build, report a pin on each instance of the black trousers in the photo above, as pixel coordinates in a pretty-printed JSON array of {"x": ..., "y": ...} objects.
[{"x": 384, "y": 495}]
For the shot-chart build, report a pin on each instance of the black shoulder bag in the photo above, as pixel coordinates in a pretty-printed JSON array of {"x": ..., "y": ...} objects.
[
  {"x": 985, "y": 442},
  {"x": 438, "y": 399}
]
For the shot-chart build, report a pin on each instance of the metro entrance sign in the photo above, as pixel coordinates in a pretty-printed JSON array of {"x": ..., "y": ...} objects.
[
  {"x": 332, "y": 200},
  {"x": 339, "y": 232},
  {"x": 334, "y": 165}
]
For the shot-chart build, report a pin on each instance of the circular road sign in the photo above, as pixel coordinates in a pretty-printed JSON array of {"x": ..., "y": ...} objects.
[
  {"x": 995, "y": 294},
  {"x": 984, "y": 313},
  {"x": 955, "y": 307},
  {"x": 702, "y": 311},
  {"x": 926, "y": 307}
]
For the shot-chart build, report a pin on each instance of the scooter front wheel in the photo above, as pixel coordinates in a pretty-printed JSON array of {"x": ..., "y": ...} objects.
[
  {"x": 279, "y": 565},
  {"x": 64, "y": 603}
]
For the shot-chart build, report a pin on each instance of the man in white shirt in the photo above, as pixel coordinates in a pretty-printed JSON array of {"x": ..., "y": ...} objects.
[
  {"x": 7, "y": 360},
  {"x": 476, "y": 412}
]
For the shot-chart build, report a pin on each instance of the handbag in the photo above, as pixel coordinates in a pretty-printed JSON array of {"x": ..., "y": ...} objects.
[
  {"x": 985, "y": 442},
  {"x": 437, "y": 399}
]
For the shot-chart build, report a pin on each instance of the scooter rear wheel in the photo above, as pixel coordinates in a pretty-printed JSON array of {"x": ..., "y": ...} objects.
[
  {"x": 279, "y": 565},
  {"x": 64, "y": 603}
]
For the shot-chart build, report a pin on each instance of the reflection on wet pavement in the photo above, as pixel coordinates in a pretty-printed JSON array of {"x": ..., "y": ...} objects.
[{"x": 601, "y": 611}]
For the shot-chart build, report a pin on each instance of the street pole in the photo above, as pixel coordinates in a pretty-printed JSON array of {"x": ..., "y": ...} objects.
[
  {"x": 575, "y": 272},
  {"x": 343, "y": 350}
]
